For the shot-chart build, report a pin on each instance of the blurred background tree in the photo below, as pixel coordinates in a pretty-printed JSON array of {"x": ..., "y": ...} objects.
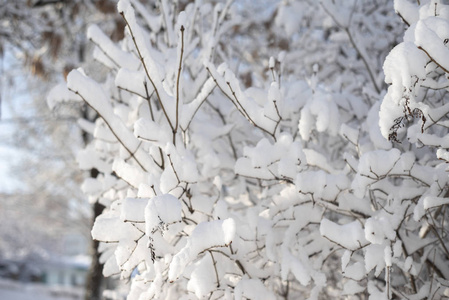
[{"x": 42, "y": 203}]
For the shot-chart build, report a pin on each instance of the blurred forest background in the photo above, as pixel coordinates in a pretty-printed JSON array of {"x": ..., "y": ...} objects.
[{"x": 45, "y": 219}]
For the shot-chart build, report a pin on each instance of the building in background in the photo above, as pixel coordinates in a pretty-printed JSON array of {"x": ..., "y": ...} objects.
[{"x": 68, "y": 266}]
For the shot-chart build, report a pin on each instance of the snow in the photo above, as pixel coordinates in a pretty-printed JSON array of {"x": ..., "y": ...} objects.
[
  {"x": 408, "y": 10},
  {"x": 88, "y": 159},
  {"x": 168, "y": 181},
  {"x": 352, "y": 287},
  {"x": 86, "y": 125},
  {"x": 369, "y": 170},
  {"x": 202, "y": 281},
  {"x": 388, "y": 257},
  {"x": 401, "y": 64},
  {"x": 296, "y": 266},
  {"x": 431, "y": 202},
  {"x": 248, "y": 107},
  {"x": 155, "y": 70},
  {"x": 355, "y": 271},
  {"x": 379, "y": 141},
  {"x": 133, "y": 209},
  {"x": 416, "y": 136},
  {"x": 424, "y": 290},
  {"x": 237, "y": 190},
  {"x": 96, "y": 97},
  {"x": 378, "y": 228},
  {"x": 192, "y": 107},
  {"x": 289, "y": 17},
  {"x": 283, "y": 159},
  {"x": 258, "y": 155},
  {"x": 397, "y": 249},
  {"x": 101, "y": 229},
  {"x": 312, "y": 182},
  {"x": 129, "y": 173},
  {"x": 349, "y": 236},
  {"x": 375, "y": 258},
  {"x": 149, "y": 130},
  {"x": 427, "y": 202},
  {"x": 206, "y": 235},
  {"x": 317, "y": 159},
  {"x": 340, "y": 13},
  {"x": 160, "y": 210},
  {"x": 351, "y": 134},
  {"x": 186, "y": 169},
  {"x": 320, "y": 113},
  {"x": 271, "y": 63},
  {"x": 154, "y": 21},
  {"x": 60, "y": 94},
  {"x": 375, "y": 293},
  {"x": 91, "y": 186},
  {"x": 429, "y": 35},
  {"x": 165, "y": 9},
  {"x": 182, "y": 19},
  {"x": 252, "y": 289},
  {"x": 13, "y": 290},
  {"x": 119, "y": 57},
  {"x": 442, "y": 154},
  {"x": 345, "y": 260},
  {"x": 274, "y": 107},
  {"x": 103, "y": 132},
  {"x": 133, "y": 81}
]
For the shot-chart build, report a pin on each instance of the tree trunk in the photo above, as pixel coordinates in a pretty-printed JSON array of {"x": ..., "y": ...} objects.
[{"x": 94, "y": 280}]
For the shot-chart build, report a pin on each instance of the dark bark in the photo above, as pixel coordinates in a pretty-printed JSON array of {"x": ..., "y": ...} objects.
[{"x": 95, "y": 279}]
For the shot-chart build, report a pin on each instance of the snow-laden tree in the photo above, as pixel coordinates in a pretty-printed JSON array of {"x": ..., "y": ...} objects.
[{"x": 231, "y": 175}]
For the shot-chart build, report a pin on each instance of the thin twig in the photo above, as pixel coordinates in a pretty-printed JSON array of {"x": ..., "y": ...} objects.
[
  {"x": 173, "y": 167},
  {"x": 175, "y": 130},
  {"x": 214, "y": 262},
  {"x": 116, "y": 136},
  {"x": 146, "y": 71}
]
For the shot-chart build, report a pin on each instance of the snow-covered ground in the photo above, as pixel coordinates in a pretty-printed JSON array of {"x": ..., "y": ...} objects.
[{"x": 11, "y": 290}]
